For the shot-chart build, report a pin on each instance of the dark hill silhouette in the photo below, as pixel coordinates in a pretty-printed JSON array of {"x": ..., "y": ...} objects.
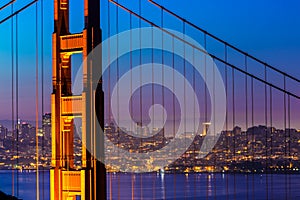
[{"x": 4, "y": 196}]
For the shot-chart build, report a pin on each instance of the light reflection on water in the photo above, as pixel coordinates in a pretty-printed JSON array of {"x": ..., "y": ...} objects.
[{"x": 171, "y": 186}]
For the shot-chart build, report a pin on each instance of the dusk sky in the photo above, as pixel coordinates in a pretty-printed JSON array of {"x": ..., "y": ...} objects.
[
  {"x": 208, "y": 99},
  {"x": 269, "y": 30}
]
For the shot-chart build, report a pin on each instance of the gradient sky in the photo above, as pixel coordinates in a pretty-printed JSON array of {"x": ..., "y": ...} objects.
[{"x": 269, "y": 30}]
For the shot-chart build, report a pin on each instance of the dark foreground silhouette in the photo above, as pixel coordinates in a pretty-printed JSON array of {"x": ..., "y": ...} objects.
[{"x": 4, "y": 196}]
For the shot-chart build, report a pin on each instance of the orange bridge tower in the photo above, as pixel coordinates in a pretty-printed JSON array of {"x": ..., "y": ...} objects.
[{"x": 66, "y": 182}]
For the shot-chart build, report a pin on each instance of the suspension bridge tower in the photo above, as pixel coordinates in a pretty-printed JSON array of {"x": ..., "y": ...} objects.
[{"x": 67, "y": 182}]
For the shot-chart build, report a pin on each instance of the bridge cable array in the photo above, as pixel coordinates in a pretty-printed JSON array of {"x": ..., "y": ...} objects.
[
  {"x": 15, "y": 94},
  {"x": 250, "y": 81}
]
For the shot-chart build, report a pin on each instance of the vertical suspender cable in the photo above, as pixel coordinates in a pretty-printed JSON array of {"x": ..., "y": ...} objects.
[
  {"x": 42, "y": 91},
  {"x": 233, "y": 129},
  {"x": 184, "y": 93},
  {"x": 37, "y": 103},
  {"x": 205, "y": 105},
  {"x": 271, "y": 119},
  {"x": 141, "y": 89},
  {"x": 131, "y": 103},
  {"x": 152, "y": 103},
  {"x": 163, "y": 62},
  {"x": 163, "y": 73},
  {"x": 284, "y": 124},
  {"x": 205, "y": 78},
  {"x": 246, "y": 128},
  {"x": 174, "y": 109},
  {"x": 285, "y": 137},
  {"x": 214, "y": 126},
  {"x": 12, "y": 96},
  {"x": 289, "y": 141},
  {"x": 194, "y": 116},
  {"x": 108, "y": 90},
  {"x": 271, "y": 164},
  {"x": 271, "y": 124},
  {"x": 266, "y": 135},
  {"x": 226, "y": 121},
  {"x": 194, "y": 120},
  {"x": 17, "y": 100},
  {"x": 141, "y": 72},
  {"x": 130, "y": 60},
  {"x": 118, "y": 100},
  {"x": 108, "y": 35},
  {"x": 252, "y": 138}
]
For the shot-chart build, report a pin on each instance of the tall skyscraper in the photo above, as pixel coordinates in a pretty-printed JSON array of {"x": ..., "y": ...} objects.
[{"x": 47, "y": 125}]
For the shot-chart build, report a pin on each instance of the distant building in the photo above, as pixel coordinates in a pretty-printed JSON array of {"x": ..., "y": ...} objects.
[
  {"x": 141, "y": 130},
  {"x": 3, "y": 135},
  {"x": 25, "y": 132},
  {"x": 3, "y": 132},
  {"x": 24, "y": 128},
  {"x": 205, "y": 128},
  {"x": 237, "y": 131},
  {"x": 47, "y": 125}
]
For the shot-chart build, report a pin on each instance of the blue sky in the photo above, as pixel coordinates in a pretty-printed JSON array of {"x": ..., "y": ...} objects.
[{"x": 269, "y": 30}]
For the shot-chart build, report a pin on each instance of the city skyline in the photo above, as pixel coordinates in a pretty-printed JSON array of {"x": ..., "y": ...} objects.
[{"x": 264, "y": 146}]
